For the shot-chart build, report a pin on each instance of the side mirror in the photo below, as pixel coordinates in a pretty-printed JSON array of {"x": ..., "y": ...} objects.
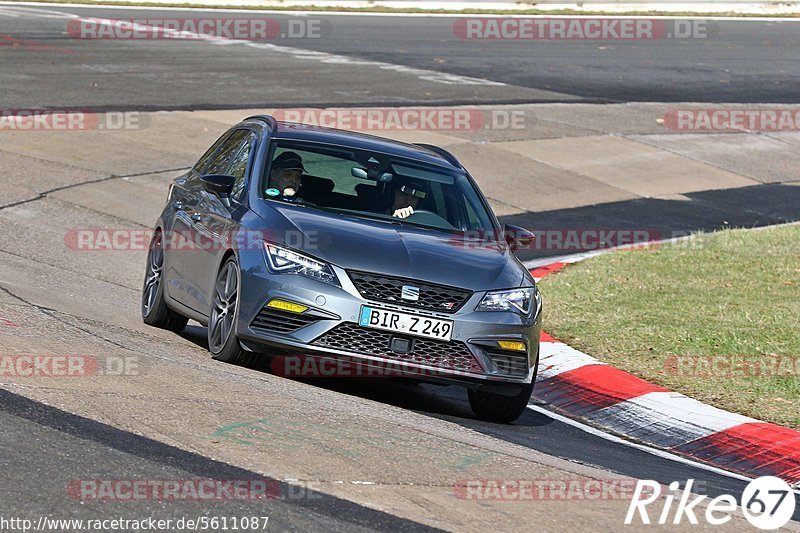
[
  {"x": 219, "y": 184},
  {"x": 517, "y": 237}
]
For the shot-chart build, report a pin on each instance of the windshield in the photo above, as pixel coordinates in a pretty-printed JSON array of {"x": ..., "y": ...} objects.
[{"x": 374, "y": 185}]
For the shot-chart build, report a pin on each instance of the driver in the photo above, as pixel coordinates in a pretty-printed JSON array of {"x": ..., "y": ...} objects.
[
  {"x": 406, "y": 195},
  {"x": 287, "y": 169}
]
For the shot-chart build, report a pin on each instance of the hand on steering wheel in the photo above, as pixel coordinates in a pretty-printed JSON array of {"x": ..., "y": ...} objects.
[{"x": 403, "y": 212}]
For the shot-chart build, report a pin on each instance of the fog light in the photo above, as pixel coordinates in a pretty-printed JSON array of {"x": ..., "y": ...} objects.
[
  {"x": 516, "y": 346},
  {"x": 283, "y": 305}
]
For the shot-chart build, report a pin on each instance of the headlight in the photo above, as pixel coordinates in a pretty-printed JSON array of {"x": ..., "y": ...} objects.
[
  {"x": 520, "y": 301},
  {"x": 284, "y": 261}
]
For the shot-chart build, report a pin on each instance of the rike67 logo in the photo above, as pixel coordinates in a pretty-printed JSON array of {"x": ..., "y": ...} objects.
[{"x": 767, "y": 503}]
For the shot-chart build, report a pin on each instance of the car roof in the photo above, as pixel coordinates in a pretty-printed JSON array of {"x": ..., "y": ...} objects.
[{"x": 296, "y": 131}]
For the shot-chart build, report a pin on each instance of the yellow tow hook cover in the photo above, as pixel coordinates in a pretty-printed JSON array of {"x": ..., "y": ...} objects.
[
  {"x": 283, "y": 305},
  {"x": 516, "y": 346}
]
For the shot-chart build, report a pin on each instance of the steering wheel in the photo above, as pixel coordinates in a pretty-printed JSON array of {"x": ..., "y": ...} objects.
[
  {"x": 297, "y": 200},
  {"x": 430, "y": 218}
]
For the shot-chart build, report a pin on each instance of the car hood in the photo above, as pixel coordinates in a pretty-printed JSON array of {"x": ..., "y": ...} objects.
[{"x": 396, "y": 250}]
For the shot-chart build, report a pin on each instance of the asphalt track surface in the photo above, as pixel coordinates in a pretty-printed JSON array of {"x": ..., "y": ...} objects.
[
  {"x": 67, "y": 446},
  {"x": 745, "y": 62},
  {"x": 739, "y": 61}
]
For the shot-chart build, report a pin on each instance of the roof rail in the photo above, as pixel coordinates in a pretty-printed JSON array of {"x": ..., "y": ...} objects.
[
  {"x": 442, "y": 152},
  {"x": 269, "y": 119}
]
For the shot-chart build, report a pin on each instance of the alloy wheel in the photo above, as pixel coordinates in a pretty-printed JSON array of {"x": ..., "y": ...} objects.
[
  {"x": 152, "y": 280},
  {"x": 223, "y": 311}
]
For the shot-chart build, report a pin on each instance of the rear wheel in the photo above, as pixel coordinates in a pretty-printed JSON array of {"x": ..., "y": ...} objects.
[
  {"x": 498, "y": 408},
  {"x": 222, "y": 340},
  {"x": 154, "y": 309}
]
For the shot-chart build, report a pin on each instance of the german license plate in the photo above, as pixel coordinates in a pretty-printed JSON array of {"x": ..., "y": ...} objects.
[{"x": 422, "y": 326}]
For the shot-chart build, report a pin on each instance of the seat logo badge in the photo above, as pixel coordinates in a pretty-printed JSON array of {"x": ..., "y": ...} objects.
[{"x": 410, "y": 293}]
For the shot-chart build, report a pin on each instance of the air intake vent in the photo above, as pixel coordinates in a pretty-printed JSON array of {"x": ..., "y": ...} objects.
[
  {"x": 352, "y": 338},
  {"x": 510, "y": 363},
  {"x": 277, "y": 321}
]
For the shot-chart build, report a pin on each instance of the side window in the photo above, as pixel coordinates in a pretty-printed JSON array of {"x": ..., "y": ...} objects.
[
  {"x": 238, "y": 167},
  {"x": 476, "y": 217},
  {"x": 203, "y": 162},
  {"x": 472, "y": 218},
  {"x": 223, "y": 158},
  {"x": 443, "y": 201}
]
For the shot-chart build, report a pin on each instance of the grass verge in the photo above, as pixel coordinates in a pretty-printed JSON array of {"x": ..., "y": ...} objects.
[
  {"x": 716, "y": 317},
  {"x": 380, "y": 9}
]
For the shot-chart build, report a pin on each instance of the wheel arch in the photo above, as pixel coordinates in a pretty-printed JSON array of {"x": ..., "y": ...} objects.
[{"x": 224, "y": 256}]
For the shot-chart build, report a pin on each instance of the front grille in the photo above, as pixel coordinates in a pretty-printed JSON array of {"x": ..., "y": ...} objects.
[
  {"x": 513, "y": 364},
  {"x": 273, "y": 320},
  {"x": 389, "y": 289},
  {"x": 353, "y": 338}
]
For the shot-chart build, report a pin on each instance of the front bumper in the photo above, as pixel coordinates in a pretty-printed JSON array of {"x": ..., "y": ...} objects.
[{"x": 329, "y": 328}]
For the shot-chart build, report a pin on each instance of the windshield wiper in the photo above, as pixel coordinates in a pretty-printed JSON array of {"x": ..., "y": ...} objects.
[{"x": 359, "y": 214}]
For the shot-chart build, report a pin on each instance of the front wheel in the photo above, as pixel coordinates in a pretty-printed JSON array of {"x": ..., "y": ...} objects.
[
  {"x": 222, "y": 340},
  {"x": 498, "y": 408},
  {"x": 154, "y": 309}
]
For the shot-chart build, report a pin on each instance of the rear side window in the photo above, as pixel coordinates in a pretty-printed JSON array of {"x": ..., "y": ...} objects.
[
  {"x": 238, "y": 167},
  {"x": 223, "y": 158},
  {"x": 203, "y": 162}
]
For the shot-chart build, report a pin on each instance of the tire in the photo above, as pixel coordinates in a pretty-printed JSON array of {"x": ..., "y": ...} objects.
[
  {"x": 222, "y": 340},
  {"x": 498, "y": 408},
  {"x": 154, "y": 309}
]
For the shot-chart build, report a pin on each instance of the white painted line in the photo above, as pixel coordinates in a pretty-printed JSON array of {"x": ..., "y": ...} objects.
[
  {"x": 556, "y": 358},
  {"x": 665, "y": 419},
  {"x": 298, "y": 53},
  {"x": 618, "y": 440}
]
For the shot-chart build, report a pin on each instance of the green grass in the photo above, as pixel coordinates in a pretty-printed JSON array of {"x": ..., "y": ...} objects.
[
  {"x": 378, "y": 9},
  {"x": 732, "y": 295}
]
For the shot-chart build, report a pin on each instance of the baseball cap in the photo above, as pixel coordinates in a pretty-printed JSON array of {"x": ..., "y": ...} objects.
[{"x": 288, "y": 161}]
